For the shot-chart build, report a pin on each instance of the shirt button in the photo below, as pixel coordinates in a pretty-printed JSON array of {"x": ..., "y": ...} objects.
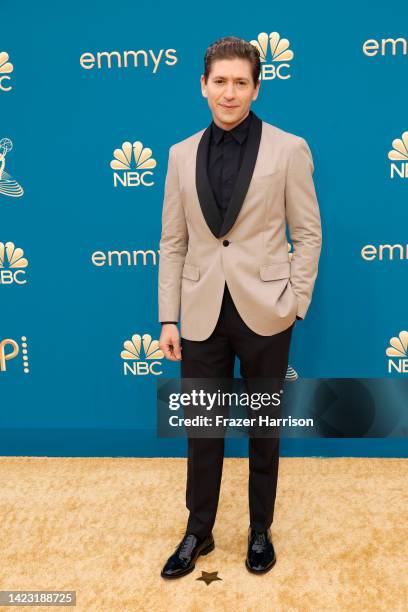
[{"x": 225, "y": 242}]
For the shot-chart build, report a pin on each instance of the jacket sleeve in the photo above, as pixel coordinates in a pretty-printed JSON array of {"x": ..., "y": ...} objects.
[
  {"x": 173, "y": 245},
  {"x": 303, "y": 217}
]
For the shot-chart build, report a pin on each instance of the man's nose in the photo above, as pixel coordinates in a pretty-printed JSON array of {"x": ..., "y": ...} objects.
[{"x": 229, "y": 91}]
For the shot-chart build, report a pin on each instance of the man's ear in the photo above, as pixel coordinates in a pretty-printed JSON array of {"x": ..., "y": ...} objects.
[
  {"x": 203, "y": 86},
  {"x": 256, "y": 92}
]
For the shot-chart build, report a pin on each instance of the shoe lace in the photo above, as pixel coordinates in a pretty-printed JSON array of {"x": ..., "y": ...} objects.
[
  {"x": 259, "y": 541},
  {"x": 187, "y": 545}
]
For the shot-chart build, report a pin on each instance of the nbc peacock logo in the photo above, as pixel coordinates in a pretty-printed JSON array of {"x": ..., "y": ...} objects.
[
  {"x": 142, "y": 356},
  {"x": 8, "y": 185},
  {"x": 133, "y": 165},
  {"x": 399, "y": 157},
  {"x": 12, "y": 264},
  {"x": 6, "y": 68},
  {"x": 398, "y": 353},
  {"x": 275, "y": 56}
]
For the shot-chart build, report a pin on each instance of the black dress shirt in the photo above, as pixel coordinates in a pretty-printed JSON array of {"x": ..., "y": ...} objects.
[{"x": 225, "y": 155}]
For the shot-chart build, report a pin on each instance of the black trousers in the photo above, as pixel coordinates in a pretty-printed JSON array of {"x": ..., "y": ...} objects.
[{"x": 260, "y": 356}]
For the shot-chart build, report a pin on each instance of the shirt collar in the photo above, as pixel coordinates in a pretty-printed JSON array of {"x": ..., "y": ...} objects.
[{"x": 239, "y": 132}]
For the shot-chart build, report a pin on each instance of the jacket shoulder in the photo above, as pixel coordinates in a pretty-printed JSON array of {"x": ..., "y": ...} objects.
[
  {"x": 184, "y": 146},
  {"x": 287, "y": 138}
]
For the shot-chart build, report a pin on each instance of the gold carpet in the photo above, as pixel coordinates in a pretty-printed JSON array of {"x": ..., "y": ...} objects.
[{"x": 104, "y": 527}]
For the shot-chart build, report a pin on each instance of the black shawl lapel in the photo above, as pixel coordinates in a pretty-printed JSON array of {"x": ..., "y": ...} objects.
[
  {"x": 212, "y": 215},
  {"x": 206, "y": 197}
]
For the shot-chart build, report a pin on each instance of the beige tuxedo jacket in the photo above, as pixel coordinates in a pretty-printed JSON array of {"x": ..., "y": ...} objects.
[{"x": 248, "y": 249}]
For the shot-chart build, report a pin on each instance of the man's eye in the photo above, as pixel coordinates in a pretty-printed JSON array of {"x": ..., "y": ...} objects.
[{"x": 218, "y": 81}]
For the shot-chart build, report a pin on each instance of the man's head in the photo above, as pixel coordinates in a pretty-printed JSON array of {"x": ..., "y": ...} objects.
[{"x": 231, "y": 79}]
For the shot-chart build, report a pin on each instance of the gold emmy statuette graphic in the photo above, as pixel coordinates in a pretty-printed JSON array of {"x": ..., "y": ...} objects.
[
  {"x": 291, "y": 374},
  {"x": 8, "y": 185}
]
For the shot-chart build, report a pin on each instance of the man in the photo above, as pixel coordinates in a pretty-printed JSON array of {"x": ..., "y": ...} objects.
[{"x": 224, "y": 264}]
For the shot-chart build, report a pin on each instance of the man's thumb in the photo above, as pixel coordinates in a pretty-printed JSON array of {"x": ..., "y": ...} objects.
[{"x": 177, "y": 349}]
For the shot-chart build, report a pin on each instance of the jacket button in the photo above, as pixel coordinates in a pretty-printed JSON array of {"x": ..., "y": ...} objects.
[{"x": 225, "y": 242}]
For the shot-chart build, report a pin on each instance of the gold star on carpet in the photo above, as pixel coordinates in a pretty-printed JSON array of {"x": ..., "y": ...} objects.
[{"x": 209, "y": 577}]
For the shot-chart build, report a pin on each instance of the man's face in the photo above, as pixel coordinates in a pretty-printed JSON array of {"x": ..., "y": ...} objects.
[{"x": 230, "y": 91}]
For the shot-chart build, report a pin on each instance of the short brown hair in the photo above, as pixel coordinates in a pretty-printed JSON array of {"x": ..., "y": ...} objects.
[{"x": 229, "y": 47}]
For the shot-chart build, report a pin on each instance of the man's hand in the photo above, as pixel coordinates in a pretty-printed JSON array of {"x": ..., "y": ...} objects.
[{"x": 169, "y": 342}]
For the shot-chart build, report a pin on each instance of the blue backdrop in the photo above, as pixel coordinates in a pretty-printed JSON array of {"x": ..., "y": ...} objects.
[{"x": 76, "y": 82}]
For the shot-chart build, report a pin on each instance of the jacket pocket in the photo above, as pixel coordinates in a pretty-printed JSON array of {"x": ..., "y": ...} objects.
[
  {"x": 191, "y": 272},
  {"x": 275, "y": 271}
]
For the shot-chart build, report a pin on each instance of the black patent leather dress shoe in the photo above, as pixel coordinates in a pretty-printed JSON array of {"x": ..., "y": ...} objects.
[
  {"x": 182, "y": 561},
  {"x": 261, "y": 555}
]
